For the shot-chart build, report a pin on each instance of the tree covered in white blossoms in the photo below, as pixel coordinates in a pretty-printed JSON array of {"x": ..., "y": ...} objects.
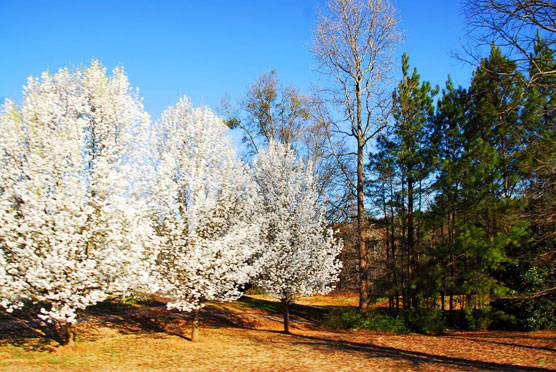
[
  {"x": 299, "y": 255},
  {"x": 72, "y": 231},
  {"x": 204, "y": 202}
]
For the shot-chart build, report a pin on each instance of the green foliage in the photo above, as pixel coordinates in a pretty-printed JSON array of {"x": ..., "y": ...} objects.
[
  {"x": 537, "y": 314},
  {"x": 477, "y": 320},
  {"x": 528, "y": 315},
  {"x": 402, "y": 166},
  {"x": 424, "y": 320},
  {"x": 467, "y": 196},
  {"x": 351, "y": 318},
  {"x": 406, "y": 321}
]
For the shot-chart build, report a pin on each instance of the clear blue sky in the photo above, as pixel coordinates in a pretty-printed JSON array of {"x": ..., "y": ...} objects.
[{"x": 204, "y": 49}]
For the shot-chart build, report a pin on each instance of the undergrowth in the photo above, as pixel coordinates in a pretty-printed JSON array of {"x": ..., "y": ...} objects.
[
  {"x": 406, "y": 321},
  {"x": 417, "y": 320}
]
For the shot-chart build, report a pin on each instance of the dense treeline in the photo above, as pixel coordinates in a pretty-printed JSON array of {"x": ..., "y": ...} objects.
[{"x": 464, "y": 191}]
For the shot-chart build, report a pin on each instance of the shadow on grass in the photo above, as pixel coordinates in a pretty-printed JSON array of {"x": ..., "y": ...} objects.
[
  {"x": 216, "y": 317},
  {"x": 26, "y": 337},
  {"x": 489, "y": 340},
  {"x": 416, "y": 358},
  {"x": 315, "y": 314},
  {"x": 158, "y": 321},
  {"x": 152, "y": 319},
  {"x": 23, "y": 329}
]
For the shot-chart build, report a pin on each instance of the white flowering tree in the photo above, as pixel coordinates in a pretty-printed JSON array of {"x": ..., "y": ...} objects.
[
  {"x": 71, "y": 228},
  {"x": 300, "y": 252},
  {"x": 204, "y": 202}
]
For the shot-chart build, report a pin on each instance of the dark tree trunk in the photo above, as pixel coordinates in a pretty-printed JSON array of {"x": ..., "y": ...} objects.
[
  {"x": 286, "y": 313},
  {"x": 59, "y": 331}
]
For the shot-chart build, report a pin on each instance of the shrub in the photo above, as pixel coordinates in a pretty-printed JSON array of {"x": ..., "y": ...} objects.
[
  {"x": 384, "y": 322},
  {"x": 530, "y": 315},
  {"x": 420, "y": 321},
  {"x": 345, "y": 318},
  {"x": 478, "y": 320},
  {"x": 424, "y": 320}
]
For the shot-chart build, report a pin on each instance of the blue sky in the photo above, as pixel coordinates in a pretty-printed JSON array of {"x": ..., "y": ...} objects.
[{"x": 203, "y": 49}]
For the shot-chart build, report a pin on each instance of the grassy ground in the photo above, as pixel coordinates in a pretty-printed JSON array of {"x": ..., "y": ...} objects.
[{"x": 245, "y": 336}]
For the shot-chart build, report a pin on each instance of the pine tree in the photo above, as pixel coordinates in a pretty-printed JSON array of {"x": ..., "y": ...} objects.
[
  {"x": 533, "y": 278},
  {"x": 405, "y": 149},
  {"x": 448, "y": 145},
  {"x": 491, "y": 228}
]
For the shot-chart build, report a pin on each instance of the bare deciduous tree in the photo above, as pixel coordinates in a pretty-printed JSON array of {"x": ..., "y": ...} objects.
[
  {"x": 354, "y": 44},
  {"x": 272, "y": 112},
  {"x": 513, "y": 24}
]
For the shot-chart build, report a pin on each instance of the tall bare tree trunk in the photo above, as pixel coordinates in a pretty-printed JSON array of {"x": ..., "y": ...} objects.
[
  {"x": 354, "y": 42},
  {"x": 363, "y": 274},
  {"x": 363, "y": 267}
]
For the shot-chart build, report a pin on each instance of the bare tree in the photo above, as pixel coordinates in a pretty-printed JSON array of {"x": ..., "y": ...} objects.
[
  {"x": 272, "y": 112},
  {"x": 354, "y": 44},
  {"x": 269, "y": 112},
  {"x": 514, "y": 25}
]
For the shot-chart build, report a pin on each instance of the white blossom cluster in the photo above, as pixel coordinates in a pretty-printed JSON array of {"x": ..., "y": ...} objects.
[
  {"x": 71, "y": 231},
  {"x": 205, "y": 206},
  {"x": 299, "y": 255},
  {"x": 96, "y": 202}
]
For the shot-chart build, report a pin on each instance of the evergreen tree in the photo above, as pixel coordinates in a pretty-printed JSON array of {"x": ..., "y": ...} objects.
[
  {"x": 448, "y": 146},
  {"x": 490, "y": 228},
  {"x": 405, "y": 148},
  {"x": 534, "y": 278}
]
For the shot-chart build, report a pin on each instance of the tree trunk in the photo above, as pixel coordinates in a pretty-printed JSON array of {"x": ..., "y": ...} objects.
[
  {"x": 363, "y": 274},
  {"x": 286, "y": 313},
  {"x": 410, "y": 245},
  {"x": 195, "y": 326},
  {"x": 442, "y": 297},
  {"x": 60, "y": 331},
  {"x": 451, "y": 311},
  {"x": 70, "y": 335}
]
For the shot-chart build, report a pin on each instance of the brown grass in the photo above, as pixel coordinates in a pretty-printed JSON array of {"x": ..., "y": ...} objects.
[{"x": 236, "y": 337}]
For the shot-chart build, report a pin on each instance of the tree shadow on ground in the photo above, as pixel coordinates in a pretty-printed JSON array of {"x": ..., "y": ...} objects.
[
  {"x": 216, "y": 317},
  {"x": 158, "y": 321},
  {"x": 489, "y": 340},
  {"x": 155, "y": 321},
  {"x": 416, "y": 358},
  {"x": 26, "y": 337},
  {"x": 23, "y": 329},
  {"x": 311, "y": 313}
]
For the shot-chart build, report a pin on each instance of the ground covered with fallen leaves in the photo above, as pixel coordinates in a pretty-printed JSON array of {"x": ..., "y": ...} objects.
[{"x": 246, "y": 336}]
